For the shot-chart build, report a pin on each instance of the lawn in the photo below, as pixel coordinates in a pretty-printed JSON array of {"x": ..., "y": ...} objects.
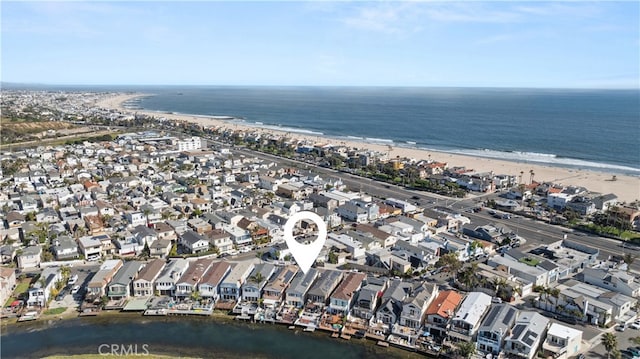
[
  {"x": 55, "y": 311},
  {"x": 22, "y": 287},
  {"x": 530, "y": 261}
]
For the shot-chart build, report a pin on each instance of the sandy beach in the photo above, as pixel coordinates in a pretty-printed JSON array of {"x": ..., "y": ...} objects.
[{"x": 626, "y": 187}]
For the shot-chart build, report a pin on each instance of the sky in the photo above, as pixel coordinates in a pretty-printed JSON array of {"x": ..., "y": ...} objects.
[{"x": 572, "y": 44}]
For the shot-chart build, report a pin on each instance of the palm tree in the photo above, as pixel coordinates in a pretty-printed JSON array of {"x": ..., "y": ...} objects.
[
  {"x": 628, "y": 259},
  {"x": 610, "y": 342},
  {"x": 147, "y": 212}
]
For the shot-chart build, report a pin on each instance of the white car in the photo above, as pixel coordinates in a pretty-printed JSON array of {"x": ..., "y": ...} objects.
[
  {"x": 73, "y": 279},
  {"x": 635, "y": 325},
  {"x": 75, "y": 289},
  {"x": 621, "y": 327}
]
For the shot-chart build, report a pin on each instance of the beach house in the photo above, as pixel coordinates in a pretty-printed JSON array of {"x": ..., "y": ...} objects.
[
  {"x": 166, "y": 281},
  {"x": 98, "y": 285},
  {"x": 188, "y": 282},
  {"x": 391, "y": 303},
  {"x": 297, "y": 291},
  {"x": 527, "y": 335},
  {"x": 143, "y": 285},
  {"x": 369, "y": 296},
  {"x": 39, "y": 294},
  {"x": 562, "y": 342},
  {"x": 323, "y": 287},
  {"x": 441, "y": 311},
  {"x": 466, "y": 321},
  {"x": 230, "y": 286},
  {"x": 495, "y": 327},
  {"x": 208, "y": 286},
  {"x": 273, "y": 292},
  {"x": 252, "y": 287},
  {"x": 120, "y": 285},
  {"x": 343, "y": 296}
]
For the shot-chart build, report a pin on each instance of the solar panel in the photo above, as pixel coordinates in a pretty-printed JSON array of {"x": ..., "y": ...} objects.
[
  {"x": 491, "y": 317},
  {"x": 506, "y": 320},
  {"x": 518, "y": 330}
]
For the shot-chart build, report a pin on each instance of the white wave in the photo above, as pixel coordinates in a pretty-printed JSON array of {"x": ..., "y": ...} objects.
[
  {"x": 355, "y": 138},
  {"x": 289, "y": 129},
  {"x": 410, "y": 143},
  {"x": 259, "y": 123},
  {"x": 545, "y": 158},
  {"x": 373, "y": 139}
]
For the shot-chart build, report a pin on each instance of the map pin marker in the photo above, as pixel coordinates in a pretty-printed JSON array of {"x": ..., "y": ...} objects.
[{"x": 305, "y": 254}]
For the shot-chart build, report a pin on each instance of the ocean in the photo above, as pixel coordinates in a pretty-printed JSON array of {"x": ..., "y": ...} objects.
[
  {"x": 594, "y": 129},
  {"x": 588, "y": 129},
  {"x": 184, "y": 336}
]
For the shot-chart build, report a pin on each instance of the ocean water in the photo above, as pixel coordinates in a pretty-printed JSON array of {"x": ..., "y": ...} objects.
[
  {"x": 595, "y": 129},
  {"x": 592, "y": 129}
]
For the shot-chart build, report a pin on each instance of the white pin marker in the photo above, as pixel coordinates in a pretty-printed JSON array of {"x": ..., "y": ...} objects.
[{"x": 305, "y": 254}]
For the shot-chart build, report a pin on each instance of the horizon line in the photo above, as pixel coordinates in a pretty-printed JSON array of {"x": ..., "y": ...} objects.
[{"x": 4, "y": 83}]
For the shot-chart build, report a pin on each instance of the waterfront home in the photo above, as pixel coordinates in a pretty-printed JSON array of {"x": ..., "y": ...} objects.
[
  {"x": 275, "y": 288},
  {"x": 29, "y": 257},
  {"x": 188, "y": 282},
  {"x": 166, "y": 282},
  {"x": 98, "y": 284},
  {"x": 441, "y": 311},
  {"x": 64, "y": 247},
  {"x": 494, "y": 328},
  {"x": 297, "y": 291},
  {"x": 208, "y": 286},
  {"x": 40, "y": 292},
  {"x": 120, "y": 285},
  {"x": 414, "y": 308},
  {"x": 527, "y": 335},
  {"x": 323, "y": 287},
  {"x": 467, "y": 319},
  {"x": 143, "y": 285},
  {"x": 7, "y": 283},
  {"x": 369, "y": 296},
  {"x": 194, "y": 242},
  {"x": 343, "y": 296},
  {"x": 252, "y": 287},
  {"x": 230, "y": 286},
  {"x": 90, "y": 247},
  {"x": 391, "y": 303},
  {"x": 562, "y": 342}
]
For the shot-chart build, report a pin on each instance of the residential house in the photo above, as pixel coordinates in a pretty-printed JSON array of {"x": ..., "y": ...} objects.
[
  {"x": 466, "y": 321},
  {"x": 230, "y": 286},
  {"x": 391, "y": 303},
  {"x": 90, "y": 247},
  {"x": 29, "y": 258},
  {"x": 273, "y": 292},
  {"x": 120, "y": 285},
  {"x": 8, "y": 253},
  {"x": 170, "y": 275},
  {"x": 494, "y": 328},
  {"x": 188, "y": 282},
  {"x": 64, "y": 247},
  {"x": 441, "y": 311},
  {"x": 343, "y": 296},
  {"x": 194, "y": 242},
  {"x": 143, "y": 285},
  {"x": 562, "y": 342},
  {"x": 527, "y": 335},
  {"x": 97, "y": 287},
  {"x": 297, "y": 291},
  {"x": 40, "y": 292},
  {"x": 612, "y": 279},
  {"x": 221, "y": 239},
  {"x": 209, "y": 285},
  {"x": 145, "y": 235},
  {"x": 7, "y": 283},
  {"x": 15, "y": 219},
  {"x": 369, "y": 296},
  {"x": 414, "y": 308},
  {"x": 160, "y": 248},
  {"x": 252, "y": 287},
  {"x": 321, "y": 290}
]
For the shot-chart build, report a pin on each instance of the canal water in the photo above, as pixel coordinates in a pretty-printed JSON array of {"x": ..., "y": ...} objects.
[{"x": 193, "y": 337}]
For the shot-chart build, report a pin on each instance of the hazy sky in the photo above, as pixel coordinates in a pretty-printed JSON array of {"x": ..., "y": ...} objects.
[{"x": 520, "y": 44}]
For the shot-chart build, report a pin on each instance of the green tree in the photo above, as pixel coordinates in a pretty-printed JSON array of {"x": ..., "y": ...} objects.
[
  {"x": 466, "y": 349},
  {"x": 146, "y": 251},
  {"x": 610, "y": 343}
]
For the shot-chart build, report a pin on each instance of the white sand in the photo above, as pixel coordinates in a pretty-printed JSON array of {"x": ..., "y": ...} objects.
[{"x": 627, "y": 188}]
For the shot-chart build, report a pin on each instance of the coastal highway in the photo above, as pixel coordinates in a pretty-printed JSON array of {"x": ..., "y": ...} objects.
[{"x": 535, "y": 233}]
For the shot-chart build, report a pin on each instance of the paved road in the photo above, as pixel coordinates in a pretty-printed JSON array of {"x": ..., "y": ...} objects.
[{"x": 534, "y": 232}]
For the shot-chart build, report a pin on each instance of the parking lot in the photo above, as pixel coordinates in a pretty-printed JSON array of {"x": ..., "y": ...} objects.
[
  {"x": 624, "y": 342},
  {"x": 84, "y": 273}
]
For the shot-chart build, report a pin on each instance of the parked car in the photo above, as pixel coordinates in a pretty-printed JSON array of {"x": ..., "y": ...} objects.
[
  {"x": 621, "y": 327},
  {"x": 61, "y": 295},
  {"x": 73, "y": 279},
  {"x": 75, "y": 289},
  {"x": 635, "y": 325}
]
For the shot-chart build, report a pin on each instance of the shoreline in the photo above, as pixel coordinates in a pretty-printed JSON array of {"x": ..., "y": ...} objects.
[{"x": 626, "y": 186}]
